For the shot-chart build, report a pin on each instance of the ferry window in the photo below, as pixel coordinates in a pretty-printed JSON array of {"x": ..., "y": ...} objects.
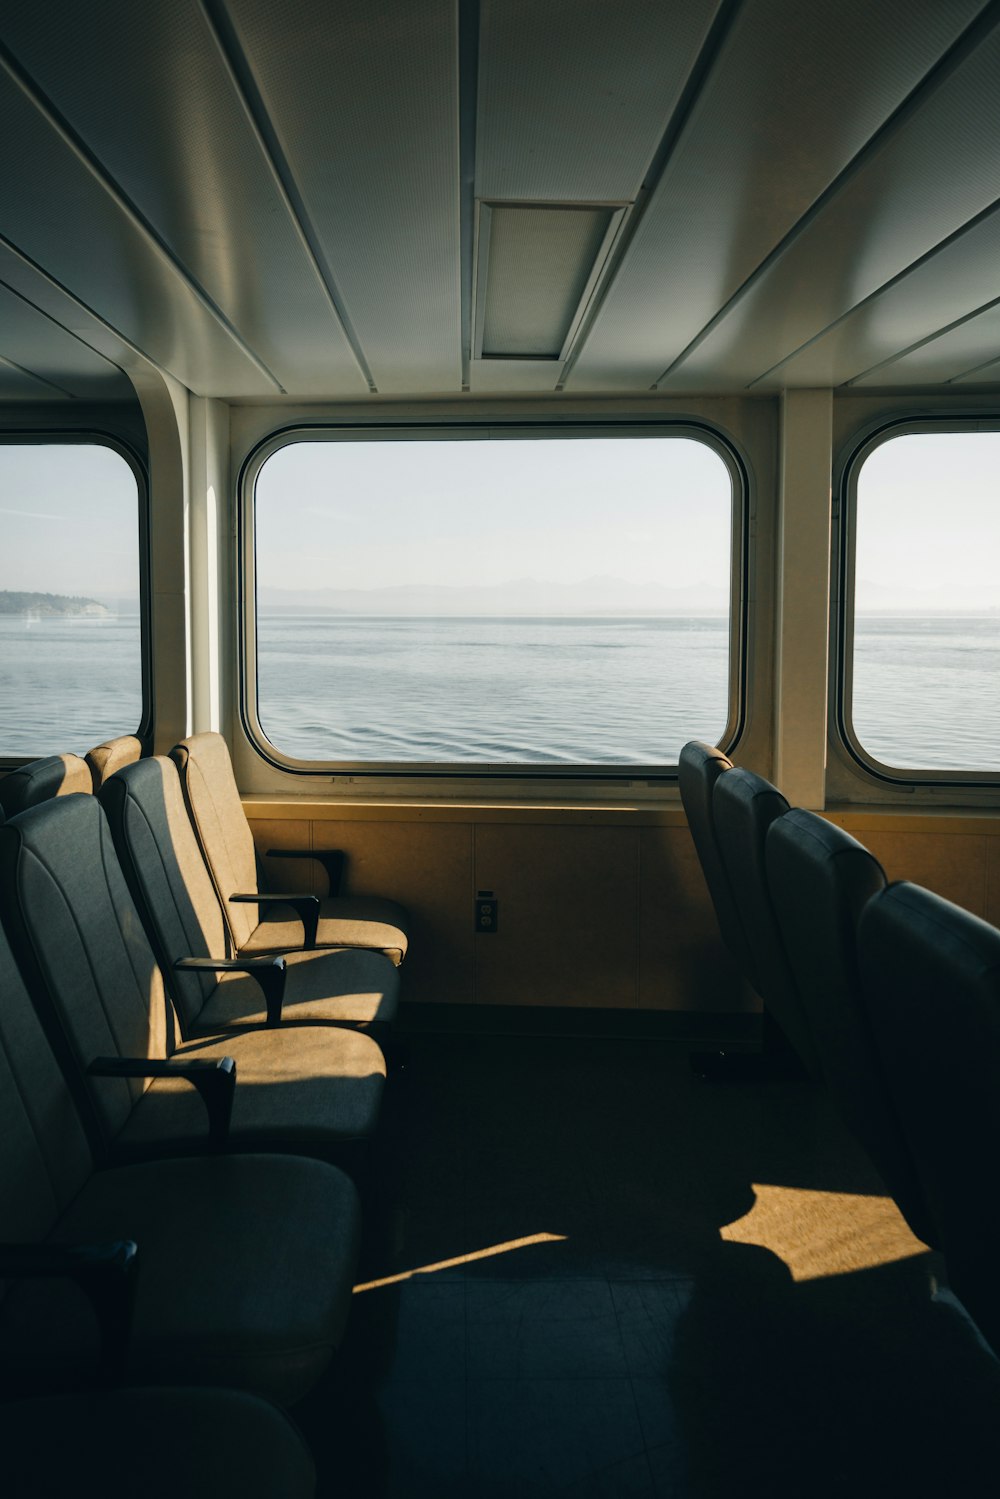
[
  {"x": 70, "y": 625},
  {"x": 491, "y": 601},
  {"x": 923, "y": 668}
]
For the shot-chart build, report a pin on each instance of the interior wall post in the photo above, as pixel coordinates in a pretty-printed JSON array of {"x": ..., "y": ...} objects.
[
  {"x": 165, "y": 410},
  {"x": 803, "y": 596},
  {"x": 209, "y": 479}
]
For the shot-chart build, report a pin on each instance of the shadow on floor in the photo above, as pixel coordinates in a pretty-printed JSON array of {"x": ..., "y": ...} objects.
[{"x": 588, "y": 1274}]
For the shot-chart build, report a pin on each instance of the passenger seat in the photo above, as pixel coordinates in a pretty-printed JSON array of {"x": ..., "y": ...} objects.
[
  {"x": 820, "y": 880},
  {"x": 931, "y": 975},
  {"x": 99, "y": 991},
  {"x": 260, "y": 921},
  {"x": 166, "y": 873},
  {"x": 245, "y": 1263},
  {"x": 732, "y": 861},
  {"x": 744, "y": 806}
]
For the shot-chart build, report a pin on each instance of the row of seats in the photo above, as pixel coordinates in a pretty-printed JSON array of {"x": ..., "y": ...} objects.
[
  {"x": 65, "y": 775},
  {"x": 153, "y": 1075},
  {"x": 257, "y": 918},
  {"x": 886, "y": 992}
]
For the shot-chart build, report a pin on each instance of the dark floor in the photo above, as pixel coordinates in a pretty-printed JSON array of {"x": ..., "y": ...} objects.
[{"x": 578, "y": 1325}]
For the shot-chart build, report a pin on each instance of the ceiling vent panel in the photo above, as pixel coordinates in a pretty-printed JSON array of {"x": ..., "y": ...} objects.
[{"x": 537, "y": 267}]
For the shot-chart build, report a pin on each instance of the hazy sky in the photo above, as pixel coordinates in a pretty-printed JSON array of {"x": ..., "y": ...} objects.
[
  {"x": 479, "y": 512},
  {"x": 929, "y": 521},
  {"x": 68, "y": 520},
  {"x": 384, "y": 514}
]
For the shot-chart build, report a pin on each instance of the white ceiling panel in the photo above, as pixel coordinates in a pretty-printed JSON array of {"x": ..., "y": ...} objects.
[
  {"x": 31, "y": 284},
  {"x": 795, "y": 94},
  {"x": 946, "y": 287},
  {"x": 278, "y": 195},
  {"x": 575, "y": 95},
  {"x": 879, "y": 222},
  {"x": 17, "y": 384},
  {"x": 966, "y": 353},
  {"x": 364, "y": 101},
  {"x": 983, "y": 374},
  {"x": 189, "y": 159},
  {"x": 56, "y": 211},
  {"x": 38, "y": 345}
]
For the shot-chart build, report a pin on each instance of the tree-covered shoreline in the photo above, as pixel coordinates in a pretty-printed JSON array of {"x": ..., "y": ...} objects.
[{"x": 49, "y": 604}]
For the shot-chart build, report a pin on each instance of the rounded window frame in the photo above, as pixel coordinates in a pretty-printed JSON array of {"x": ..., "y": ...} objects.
[
  {"x": 842, "y": 664},
  {"x": 468, "y": 772},
  {"x": 97, "y": 437}
]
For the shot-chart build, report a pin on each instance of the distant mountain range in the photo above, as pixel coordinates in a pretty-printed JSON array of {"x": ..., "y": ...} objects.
[
  {"x": 528, "y": 596},
  {"x": 50, "y": 604}
]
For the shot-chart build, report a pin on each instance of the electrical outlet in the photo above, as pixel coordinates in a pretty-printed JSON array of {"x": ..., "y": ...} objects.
[{"x": 487, "y": 914}]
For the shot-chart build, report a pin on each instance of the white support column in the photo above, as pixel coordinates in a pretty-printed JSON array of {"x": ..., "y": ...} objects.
[
  {"x": 209, "y": 484},
  {"x": 803, "y": 596},
  {"x": 165, "y": 408}
]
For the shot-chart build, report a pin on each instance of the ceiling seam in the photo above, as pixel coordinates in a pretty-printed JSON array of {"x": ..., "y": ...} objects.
[
  {"x": 100, "y": 173},
  {"x": 98, "y": 353},
  {"x": 986, "y": 213},
  {"x": 986, "y": 364},
  {"x": 21, "y": 369},
  {"x": 715, "y": 40},
  {"x": 931, "y": 337},
  {"x": 116, "y": 333},
  {"x": 241, "y": 75},
  {"x": 937, "y": 74}
]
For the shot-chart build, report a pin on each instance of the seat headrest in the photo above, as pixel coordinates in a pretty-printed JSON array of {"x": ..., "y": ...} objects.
[
  {"x": 813, "y": 864},
  {"x": 58, "y": 775},
  {"x": 107, "y": 758}
]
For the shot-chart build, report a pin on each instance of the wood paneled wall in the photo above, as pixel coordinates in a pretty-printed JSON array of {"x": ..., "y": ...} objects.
[{"x": 601, "y": 908}]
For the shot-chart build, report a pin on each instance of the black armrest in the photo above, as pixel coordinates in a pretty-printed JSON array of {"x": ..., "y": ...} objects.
[
  {"x": 214, "y": 1080},
  {"x": 332, "y": 860},
  {"x": 104, "y": 1272},
  {"x": 267, "y": 970},
  {"x": 307, "y": 907}
]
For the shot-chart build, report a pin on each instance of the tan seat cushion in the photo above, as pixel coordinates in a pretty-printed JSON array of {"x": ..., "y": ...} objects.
[
  {"x": 344, "y": 921},
  {"x": 349, "y": 987},
  {"x": 297, "y": 1087}
]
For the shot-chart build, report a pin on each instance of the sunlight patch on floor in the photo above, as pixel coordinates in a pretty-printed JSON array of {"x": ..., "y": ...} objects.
[
  {"x": 460, "y": 1259},
  {"x": 824, "y": 1233}
]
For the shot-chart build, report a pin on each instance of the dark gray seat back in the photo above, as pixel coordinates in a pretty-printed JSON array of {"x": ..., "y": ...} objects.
[
  {"x": 699, "y": 769},
  {"x": 820, "y": 880},
  {"x": 56, "y": 775},
  {"x": 166, "y": 872},
  {"x": 744, "y": 806},
  {"x": 83, "y": 952},
  {"x": 931, "y": 982},
  {"x": 44, "y": 1155}
]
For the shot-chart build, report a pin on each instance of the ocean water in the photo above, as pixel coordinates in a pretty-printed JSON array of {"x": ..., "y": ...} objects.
[
  {"x": 927, "y": 690},
  {"x": 499, "y": 691},
  {"x": 537, "y": 691},
  {"x": 67, "y": 683}
]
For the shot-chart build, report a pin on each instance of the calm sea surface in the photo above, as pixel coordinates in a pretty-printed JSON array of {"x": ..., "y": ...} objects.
[{"x": 542, "y": 691}]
